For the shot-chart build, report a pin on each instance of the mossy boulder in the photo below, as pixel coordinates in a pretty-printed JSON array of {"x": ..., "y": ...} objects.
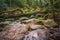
[{"x": 50, "y": 22}]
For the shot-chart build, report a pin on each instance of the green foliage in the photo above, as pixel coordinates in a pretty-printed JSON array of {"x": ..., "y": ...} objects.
[
  {"x": 3, "y": 6},
  {"x": 52, "y": 4},
  {"x": 30, "y": 6}
]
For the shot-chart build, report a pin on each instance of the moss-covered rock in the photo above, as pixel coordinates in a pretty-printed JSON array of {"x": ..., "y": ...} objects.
[
  {"x": 36, "y": 27},
  {"x": 50, "y": 22}
]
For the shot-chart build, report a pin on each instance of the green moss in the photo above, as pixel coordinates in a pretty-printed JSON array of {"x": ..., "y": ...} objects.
[{"x": 50, "y": 22}]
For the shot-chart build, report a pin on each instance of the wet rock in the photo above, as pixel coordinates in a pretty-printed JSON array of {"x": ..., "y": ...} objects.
[
  {"x": 20, "y": 28},
  {"x": 15, "y": 31},
  {"x": 39, "y": 34},
  {"x": 11, "y": 36}
]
